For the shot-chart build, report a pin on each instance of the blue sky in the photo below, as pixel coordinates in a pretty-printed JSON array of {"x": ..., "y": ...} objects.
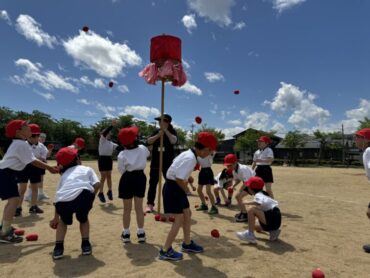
[{"x": 299, "y": 64}]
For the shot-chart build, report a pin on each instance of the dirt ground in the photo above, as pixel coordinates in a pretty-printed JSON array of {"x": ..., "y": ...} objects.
[{"x": 324, "y": 225}]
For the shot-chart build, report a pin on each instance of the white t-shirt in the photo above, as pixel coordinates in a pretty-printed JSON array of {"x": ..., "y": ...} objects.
[
  {"x": 221, "y": 182},
  {"x": 266, "y": 202},
  {"x": 134, "y": 159},
  {"x": 366, "y": 160},
  {"x": 74, "y": 181},
  {"x": 38, "y": 151},
  {"x": 243, "y": 173},
  {"x": 205, "y": 162},
  {"x": 44, "y": 151},
  {"x": 182, "y": 166},
  {"x": 263, "y": 154},
  {"x": 106, "y": 147},
  {"x": 18, "y": 155}
]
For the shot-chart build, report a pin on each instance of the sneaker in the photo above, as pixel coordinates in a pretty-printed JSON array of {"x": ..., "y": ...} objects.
[
  {"x": 247, "y": 236},
  {"x": 110, "y": 195},
  {"x": 149, "y": 209},
  {"x": 36, "y": 209},
  {"x": 141, "y": 238},
  {"x": 86, "y": 249},
  {"x": 366, "y": 248},
  {"x": 242, "y": 217},
  {"x": 227, "y": 203},
  {"x": 274, "y": 235},
  {"x": 202, "y": 207},
  {"x": 58, "y": 254},
  {"x": 10, "y": 238},
  {"x": 42, "y": 196},
  {"x": 18, "y": 211},
  {"x": 125, "y": 238},
  {"x": 218, "y": 202},
  {"x": 213, "y": 210},
  {"x": 192, "y": 247},
  {"x": 101, "y": 197},
  {"x": 170, "y": 255}
]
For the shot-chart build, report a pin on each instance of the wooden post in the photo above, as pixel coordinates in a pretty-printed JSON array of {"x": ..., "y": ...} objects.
[{"x": 159, "y": 192}]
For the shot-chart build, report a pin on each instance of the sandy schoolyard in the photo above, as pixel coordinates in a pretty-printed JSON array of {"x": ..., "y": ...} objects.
[{"x": 324, "y": 225}]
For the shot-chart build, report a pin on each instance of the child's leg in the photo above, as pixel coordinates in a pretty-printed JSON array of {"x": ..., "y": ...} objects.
[
  {"x": 200, "y": 193},
  {"x": 179, "y": 220},
  {"x": 85, "y": 229},
  {"x": 139, "y": 212},
  {"x": 22, "y": 187},
  {"x": 186, "y": 225},
  {"x": 127, "y": 206},
  {"x": 8, "y": 213},
  {"x": 216, "y": 192},
  {"x": 268, "y": 186},
  {"x": 34, "y": 189},
  {"x": 239, "y": 197},
  {"x": 103, "y": 177},
  {"x": 61, "y": 231},
  {"x": 109, "y": 180},
  {"x": 210, "y": 195},
  {"x": 254, "y": 212},
  {"x": 224, "y": 195}
]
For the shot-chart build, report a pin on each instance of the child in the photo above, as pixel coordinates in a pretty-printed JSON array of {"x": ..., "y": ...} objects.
[
  {"x": 31, "y": 173},
  {"x": 206, "y": 179},
  {"x": 363, "y": 143},
  {"x": 175, "y": 200},
  {"x": 241, "y": 173},
  {"x": 105, "y": 162},
  {"x": 264, "y": 208},
  {"x": 18, "y": 155},
  {"x": 131, "y": 164},
  {"x": 78, "y": 144},
  {"x": 75, "y": 194},
  {"x": 224, "y": 180},
  {"x": 263, "y": 158}
]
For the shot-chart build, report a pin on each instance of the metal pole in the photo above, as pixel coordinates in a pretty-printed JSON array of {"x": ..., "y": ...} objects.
[{"x": 161, "y": 152}]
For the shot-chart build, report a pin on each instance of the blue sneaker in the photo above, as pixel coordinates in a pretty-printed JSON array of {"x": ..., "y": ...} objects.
[
  {"x": 192, "y": 247},
  {"x": 170, "y": 255}
]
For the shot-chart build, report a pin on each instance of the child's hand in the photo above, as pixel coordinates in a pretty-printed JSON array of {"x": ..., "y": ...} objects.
[
  {"x": 54, "y": 223},
  {"x": 191, "y": 180},
  {"x": 192, "y": 187},
  {"x": 53, "y": 169}
]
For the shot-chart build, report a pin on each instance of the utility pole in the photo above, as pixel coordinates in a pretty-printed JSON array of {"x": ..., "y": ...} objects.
[
  {"x": 192, "y": 132},
  {"x": 343, "y": 151}
]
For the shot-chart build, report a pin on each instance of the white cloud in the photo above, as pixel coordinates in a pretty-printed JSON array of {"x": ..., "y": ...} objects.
[
  {"x": 47, "y": 96},
  {"x": 31, "y": 30},
  {"x": 48, "y": 80},
  {"x": 185, "y": 64},
  {"x": 189, "y": 22},
  {"x": 234, "y": 122},
  {"x": 4, "y": 15},
  {"x": 214, "y": 76},
  {"x": 142, "y": 111},
  {"x": 90, "y": 113},
  {"x": 257, "y": 120},
  {"x": 230, "y": 132},
  {"x": 239, "y": 25},
  {"x": 123, "y": 89},
  {"x": 217, "y": 11},
  {"x": 282, "y": 5},
  {"x": 97, "y": 83},
  {"x": 190, "y": 88},
  {"x": 83, "y": 101},
  {"x": 352, "y": 123},
  {"x": 243, "y": 112},
  {"x": 106, "y": 109},
  {"x": 100, "y": 54}
]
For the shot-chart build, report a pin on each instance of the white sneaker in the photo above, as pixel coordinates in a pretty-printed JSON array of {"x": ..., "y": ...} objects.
[
  {"x": 42, "y": 196},
  {"x": 274, "y": 235},
  {"x": 247, "y": 236}
]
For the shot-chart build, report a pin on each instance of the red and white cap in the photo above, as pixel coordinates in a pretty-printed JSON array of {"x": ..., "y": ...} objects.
[
  {"x": 128, "y": 135},
  {"x": 365, "y": 132},
  {"x": 254, "y": 183},
  {"x": 265, "y": 139},
  {"x": 35, "y": 129},
  {"x": 80, "y": 142},
  {"x": 66, "y": 155},
  {"x": 230, "y": 159},
  {"x": 207, "y": 139},
  {"x": 12, "y": 127}
]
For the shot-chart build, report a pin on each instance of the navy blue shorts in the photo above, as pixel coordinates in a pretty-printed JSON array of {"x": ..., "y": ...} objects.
[
  {"x": 81, "y": 206},
  {"x": 273, "y": 220},
  {"x": 30, "y": 173},
  {"x": 206, "y": 176},
  {"x": 175, "y": 199},
  {"x": 105, "y": 163},
  {"x": 8, "y": 184},
  {"x": 132, "y": 184},
  {"x": 265, "y": 173}
]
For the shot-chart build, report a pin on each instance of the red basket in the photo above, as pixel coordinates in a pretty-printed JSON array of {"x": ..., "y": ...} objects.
[{"x": 165, "y": 47}]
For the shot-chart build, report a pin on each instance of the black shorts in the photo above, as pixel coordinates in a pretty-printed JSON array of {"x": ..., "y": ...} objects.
[
  {"x": 8, "y": 184},
  {"x": 273, "y": 220},
  {"x": 42, "y": 172},
  {"x": 206, "y": 176},
  {"x": 81, "y": 206},
  {"x": 175, "y": 199},
  {"x": 30, "y": 173},
  {"x": 105, "y": 163},
  {"x": 132, "y": 184},
  {"x": 265, "y": 173}
]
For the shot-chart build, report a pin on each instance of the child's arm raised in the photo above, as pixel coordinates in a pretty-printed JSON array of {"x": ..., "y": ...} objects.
[{"x": 39, "y": 164}]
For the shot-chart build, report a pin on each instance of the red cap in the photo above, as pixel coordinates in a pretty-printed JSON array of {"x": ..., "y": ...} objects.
[
  {"x": 35, "y": 129},
  {"x": 80, "y": 142},
  {"x": 207, "y": 139},
  {"x": 265, "y": 139},
  {"x": 12, "y": 127},
  {"x": 66, "y": 155},
  {"x": 230, "y": 159},
  {"x": 198, "y": 120},
  {"x": 254, "y": 183},
  {"x": 128, "y": 135},
  {"x": 365, "y": 132}
]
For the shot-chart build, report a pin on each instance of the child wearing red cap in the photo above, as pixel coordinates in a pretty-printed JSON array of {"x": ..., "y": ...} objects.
[
  {"x": 131, "y": 164},
  {"x": 175, "y": 198},
  {"x": 262, "y": 160},
  {"x": 241, "y": 173},
  {"x": 18, "y": 155},
  {"x": 78, "y": 144},
  {"x": 223, "y": 180},
  {"x": 264, "y": 208},
  {"x": 363, "y": 142},
  {"x": 75, "y": 194}
]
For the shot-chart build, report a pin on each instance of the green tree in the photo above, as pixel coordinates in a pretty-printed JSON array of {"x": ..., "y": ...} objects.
[
  {"x": 294, "y": 140},
  {"x": 365, "y": 123},
  {"x": 205, "y": 128},
  {"x": 248, "y": 141}
]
